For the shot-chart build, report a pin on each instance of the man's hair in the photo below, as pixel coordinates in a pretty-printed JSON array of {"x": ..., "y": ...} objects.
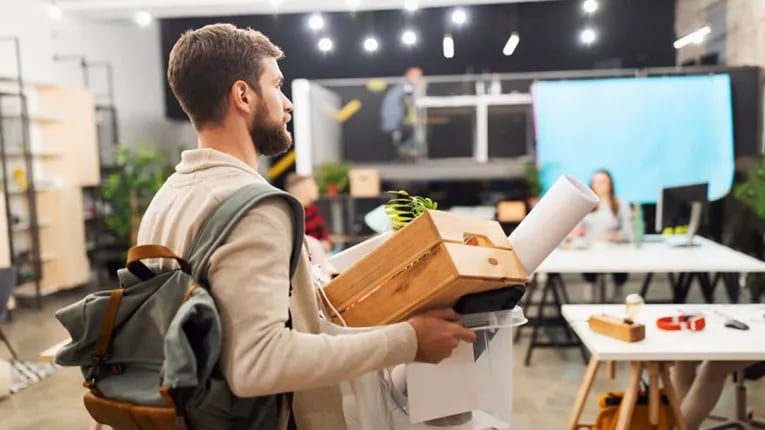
[
  {"x": 293, "y": 180},
  {"x": 204, "y": 64}
]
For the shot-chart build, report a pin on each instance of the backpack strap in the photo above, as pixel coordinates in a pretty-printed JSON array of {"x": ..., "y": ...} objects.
[{"x": 224, "y": 218}]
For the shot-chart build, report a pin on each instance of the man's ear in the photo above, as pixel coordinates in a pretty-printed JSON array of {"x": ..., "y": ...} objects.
[{"x": 242, "y": 97}]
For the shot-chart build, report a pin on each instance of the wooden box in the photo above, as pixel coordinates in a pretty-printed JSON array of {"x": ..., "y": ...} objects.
[
  {"x": 364, "y": 182},
  {"x": 430, "y": 263}
]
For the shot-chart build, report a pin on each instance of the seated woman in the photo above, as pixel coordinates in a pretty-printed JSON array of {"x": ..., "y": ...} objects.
[
  {"x": 699, "y": 386},
  {"x": 610, "y": 221}
]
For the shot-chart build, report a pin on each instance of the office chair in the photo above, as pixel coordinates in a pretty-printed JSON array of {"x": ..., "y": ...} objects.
[{"x": 743, "y": 419}]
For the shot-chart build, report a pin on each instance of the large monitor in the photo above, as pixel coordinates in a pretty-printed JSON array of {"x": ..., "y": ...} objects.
[{"x": 681, "y": 207}]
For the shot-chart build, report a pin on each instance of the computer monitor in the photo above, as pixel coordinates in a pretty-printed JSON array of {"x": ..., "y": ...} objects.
[{"x": 681, "y": 206}]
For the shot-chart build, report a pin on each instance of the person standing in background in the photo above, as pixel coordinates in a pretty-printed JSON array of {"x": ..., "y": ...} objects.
[
  {"x": 610, "y": 221},
  {"x": 399, "y": 115}
]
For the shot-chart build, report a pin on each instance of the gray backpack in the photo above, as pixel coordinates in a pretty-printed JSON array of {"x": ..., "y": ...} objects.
[{"x": 149, "y": 350}]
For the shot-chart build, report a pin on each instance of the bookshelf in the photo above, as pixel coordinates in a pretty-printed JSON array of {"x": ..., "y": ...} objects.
[{"x": 49, "y": 153}]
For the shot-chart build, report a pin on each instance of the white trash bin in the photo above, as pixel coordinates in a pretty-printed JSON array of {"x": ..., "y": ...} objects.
[{"x": 381, "y": 400}]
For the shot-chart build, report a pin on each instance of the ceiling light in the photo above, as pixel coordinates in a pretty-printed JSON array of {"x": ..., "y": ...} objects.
[
  {"x": 143, "y": 18},
  {"x": 326, "y": 44},
  {"x": 588, "y": 36},
  {"x": 409, "y": 38},
  {"x": 411, "y": 5},
  {"x": 448, "y": 46},
  {"x": 459, "y": 16},
  {"x": 353, "y": 5},
  {"x": 316, "y": 22},
  {"x": 511, "y": 44},
  {"x": 696, "y": 37},
  {"x": 371, "y": 44},
  {"x": 590, "y": 6},
  {"x": 55, "y": 12}
]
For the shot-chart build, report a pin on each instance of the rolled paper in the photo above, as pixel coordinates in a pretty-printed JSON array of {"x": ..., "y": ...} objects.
[{"x": 564, "y": 206}]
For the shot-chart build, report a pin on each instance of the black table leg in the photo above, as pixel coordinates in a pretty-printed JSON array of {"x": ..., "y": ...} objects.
[{"x": 646, "y": 283}]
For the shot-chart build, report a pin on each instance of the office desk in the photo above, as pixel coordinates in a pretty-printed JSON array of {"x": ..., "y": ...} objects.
[
  {"x": 659, "y": 348},
  {"x": 708, "y": 263}
]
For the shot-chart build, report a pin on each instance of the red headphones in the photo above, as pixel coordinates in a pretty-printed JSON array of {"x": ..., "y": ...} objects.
[{"x": 692, "y": 322}]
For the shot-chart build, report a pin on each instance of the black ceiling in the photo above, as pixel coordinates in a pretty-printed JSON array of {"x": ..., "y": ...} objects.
[{"x": 632, "y": 33}]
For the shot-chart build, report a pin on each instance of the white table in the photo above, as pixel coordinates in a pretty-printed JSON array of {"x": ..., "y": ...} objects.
[
  {"x": 708, "y": 263},
  {"x": 659, "y": 348}
]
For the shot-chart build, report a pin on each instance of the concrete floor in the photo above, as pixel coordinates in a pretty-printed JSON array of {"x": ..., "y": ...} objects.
[{"x": 543, "y": 392}]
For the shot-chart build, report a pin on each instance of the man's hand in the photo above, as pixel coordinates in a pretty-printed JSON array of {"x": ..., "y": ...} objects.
[{"x": 438, "y": 333}]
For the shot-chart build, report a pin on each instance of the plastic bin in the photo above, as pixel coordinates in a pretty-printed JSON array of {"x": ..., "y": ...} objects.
[{"x": 379, "y": 400}]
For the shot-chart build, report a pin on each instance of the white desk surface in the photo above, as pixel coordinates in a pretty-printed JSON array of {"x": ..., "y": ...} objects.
[
  {"x": 715, "y": 342},
  {"x": 652, "y": 257}
]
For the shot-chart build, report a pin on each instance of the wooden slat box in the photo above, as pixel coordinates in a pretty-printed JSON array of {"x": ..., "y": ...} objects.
[{"x": 430, "y": 263}]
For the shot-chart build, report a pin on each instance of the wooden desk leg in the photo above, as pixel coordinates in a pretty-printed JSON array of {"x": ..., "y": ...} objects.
[
  {"x": 630, "y": 396},
  {"x": 584, "y": 391},
  {"x": 653, "y": 393},
  {"x": 612, "y": 370},
  {"x": 674, "y": 402}
]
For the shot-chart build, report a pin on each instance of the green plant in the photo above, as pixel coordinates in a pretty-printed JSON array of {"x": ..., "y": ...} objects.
[
  {"x": 330, "y": 175},
  {"x": 403, "y": 208},
  {"x": 751, "y": 191},
  {"x": 140, "y": 173},
  {"x": 533, "y": 183}
]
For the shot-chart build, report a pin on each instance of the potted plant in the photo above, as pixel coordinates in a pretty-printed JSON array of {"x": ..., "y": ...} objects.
[
  {"x": 751, "y": 191},
  {"x": 332, "y": 178},
  {"x": 533, "y": 183},
  {"x": 139, "y": 173},
  {"x": 403, "y": 208}
]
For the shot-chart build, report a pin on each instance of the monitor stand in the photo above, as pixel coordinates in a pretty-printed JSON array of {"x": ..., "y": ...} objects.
[{"x": 686, "y": 240}]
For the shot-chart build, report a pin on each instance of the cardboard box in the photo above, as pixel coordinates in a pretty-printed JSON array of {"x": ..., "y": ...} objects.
[
  {"x": 364, "y": 182},
  {"x": 431, "y": 263}
]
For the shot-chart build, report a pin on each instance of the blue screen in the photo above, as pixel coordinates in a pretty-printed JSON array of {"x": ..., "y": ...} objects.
[{"x": 649, "y": 133}]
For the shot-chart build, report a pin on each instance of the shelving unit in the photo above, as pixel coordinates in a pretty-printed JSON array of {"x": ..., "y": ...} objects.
[{"x": 48, "y": 154}]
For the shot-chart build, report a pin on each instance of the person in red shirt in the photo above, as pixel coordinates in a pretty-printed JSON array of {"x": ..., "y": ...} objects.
[{"x": 306, "y": 190}]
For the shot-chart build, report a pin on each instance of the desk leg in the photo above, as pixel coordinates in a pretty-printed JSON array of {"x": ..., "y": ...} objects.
[
  {"x": 653, "y": 393},
  {"x": 584, "y": 391},
  {"x": 646, "y": 283},
  {"x": 539, "y": 317},
  {"x": 674, "y": 402},
  {"x": 630, "y": 396}
]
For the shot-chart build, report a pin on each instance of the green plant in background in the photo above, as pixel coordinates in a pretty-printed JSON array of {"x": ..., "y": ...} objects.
[
  {"x": 751, "y": 191},
  {"x": 403, "y": 208},
  {"x": 332, "y": 178},
  {"x": 533, "y": 183},
  {"x": 140, "y": 173}
]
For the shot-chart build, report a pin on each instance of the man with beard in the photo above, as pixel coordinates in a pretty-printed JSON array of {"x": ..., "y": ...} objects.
[{"x": 228, "y": 82}]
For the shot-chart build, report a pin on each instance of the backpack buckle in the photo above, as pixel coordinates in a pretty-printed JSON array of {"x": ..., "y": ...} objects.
[{"x": 96, "y": 364}]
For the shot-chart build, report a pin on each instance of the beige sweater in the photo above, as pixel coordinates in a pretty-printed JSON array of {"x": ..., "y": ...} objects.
[{"x": 249, "y": 281}]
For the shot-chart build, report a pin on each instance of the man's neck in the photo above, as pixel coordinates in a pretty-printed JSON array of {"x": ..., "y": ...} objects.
[{"x": 231, "y": 142}]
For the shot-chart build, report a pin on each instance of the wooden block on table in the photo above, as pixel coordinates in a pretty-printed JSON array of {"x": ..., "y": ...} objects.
[{"x": 616, "y": 327}]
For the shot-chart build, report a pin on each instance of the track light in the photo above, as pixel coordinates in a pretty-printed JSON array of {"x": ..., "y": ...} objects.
[
  {"x": 511, "y": 44},
  {"x": 325, "y": 44},
  {"x": 696, "y": 37},
  {"x": 588, "y": 36},
  {"x": 448, "y": 46},
  {"x": 371, "y": 44},
  {"x": 459, "y": 16},
  {"x": 409, "y": 38},
  {"x": 590, "y": 6},
  {"x": 316, "y": 22},
  {"x": 143, "y": 18}
]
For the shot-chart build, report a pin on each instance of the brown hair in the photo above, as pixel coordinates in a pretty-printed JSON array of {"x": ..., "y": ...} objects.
[
  {"x": 293, "y": 179},
  {"x": 611, "y": 191},
  {"x": 204, "y": 64}
]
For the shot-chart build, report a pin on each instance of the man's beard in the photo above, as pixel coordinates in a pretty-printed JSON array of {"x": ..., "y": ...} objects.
[{"x": 269, "y": 139}]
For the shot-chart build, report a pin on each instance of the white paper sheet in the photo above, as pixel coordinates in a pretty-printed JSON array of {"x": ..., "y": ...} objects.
[
  {"x": 444, "y": 389},
  {"x": 552, "y": 219}
]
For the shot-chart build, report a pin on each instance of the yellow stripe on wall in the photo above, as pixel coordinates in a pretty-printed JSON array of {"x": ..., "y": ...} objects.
[{"x": 282, "y": 165}]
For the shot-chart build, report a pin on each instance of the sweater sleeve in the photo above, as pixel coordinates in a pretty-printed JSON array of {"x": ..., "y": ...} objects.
[{"x": 249, "y": 278}]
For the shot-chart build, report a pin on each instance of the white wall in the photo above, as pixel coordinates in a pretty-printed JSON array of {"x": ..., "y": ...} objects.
[
  {"x": 134, "y": 53},
  {"x": 738, "y": 30}
]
